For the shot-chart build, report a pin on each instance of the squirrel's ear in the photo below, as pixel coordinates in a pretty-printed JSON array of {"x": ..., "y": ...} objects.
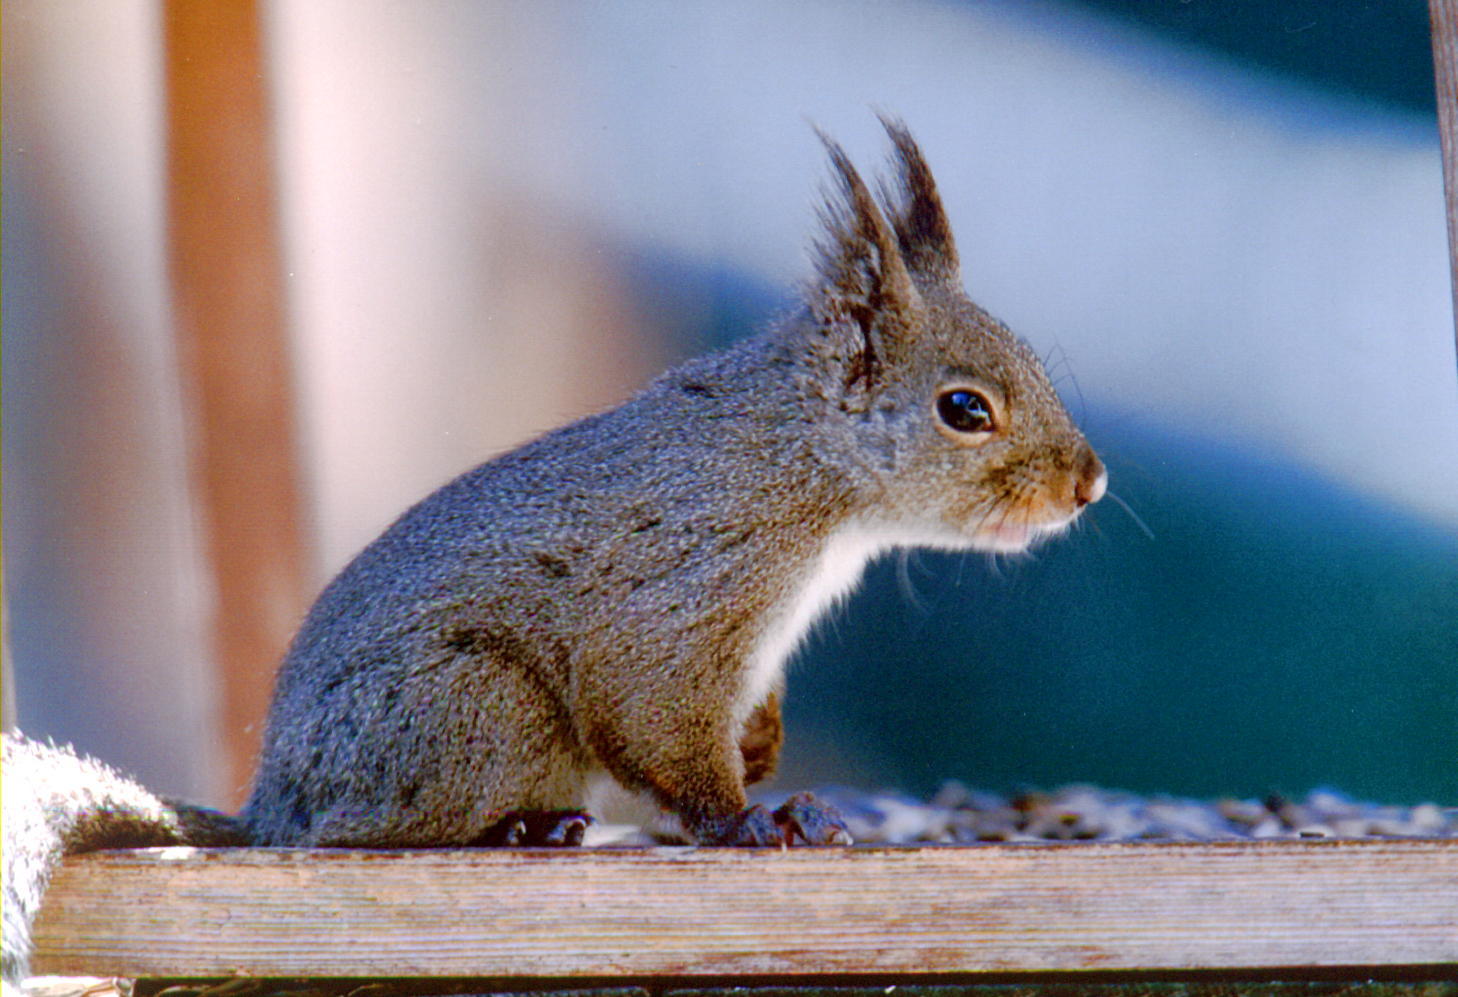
[
  {"x": 863, "y": 284},
  {"x": 915, "y": 210}
]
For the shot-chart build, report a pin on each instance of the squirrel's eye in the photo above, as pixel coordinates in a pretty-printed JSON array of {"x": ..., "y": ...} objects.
[{"x": 965, "y": 410}]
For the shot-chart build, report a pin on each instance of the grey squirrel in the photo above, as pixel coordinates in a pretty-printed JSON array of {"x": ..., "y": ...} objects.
[{"x": 621, "y": 594}]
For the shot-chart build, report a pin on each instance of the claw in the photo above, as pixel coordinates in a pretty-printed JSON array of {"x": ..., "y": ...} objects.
[{"x": 568, "y": 832}]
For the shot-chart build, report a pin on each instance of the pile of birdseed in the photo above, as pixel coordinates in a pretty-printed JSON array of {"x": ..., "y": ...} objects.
[{"x": 958, "y": 815}]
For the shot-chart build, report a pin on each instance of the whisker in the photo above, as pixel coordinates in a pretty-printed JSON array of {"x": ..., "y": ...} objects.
[
  {"x": 1060, "y": 370},
  {"x": 1132, "y": 515},
  {"x": 1078, "y": 390},
  {"x": 1052, "y": 367},
  {"x": 904, "y": 581}
]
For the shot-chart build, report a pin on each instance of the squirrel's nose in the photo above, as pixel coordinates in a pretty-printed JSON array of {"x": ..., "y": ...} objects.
[{"x": 1092, "y": 482}]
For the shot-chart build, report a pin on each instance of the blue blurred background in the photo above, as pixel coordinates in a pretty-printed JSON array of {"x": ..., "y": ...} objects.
[{"x": 1222, "y": 225}]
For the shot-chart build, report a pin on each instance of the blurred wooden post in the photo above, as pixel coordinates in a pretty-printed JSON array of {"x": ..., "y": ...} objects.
[
  {"x": 228, "y": 313},
  {"x": 1444, "y": 15},
  {"x": 7, "y": 675}
]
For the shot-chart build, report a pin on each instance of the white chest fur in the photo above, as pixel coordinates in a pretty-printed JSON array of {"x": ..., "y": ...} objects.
[{"x": 831, "y": 576}]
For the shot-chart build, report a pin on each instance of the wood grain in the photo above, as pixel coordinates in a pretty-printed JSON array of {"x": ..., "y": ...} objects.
[{"x": 723, "y": 912}]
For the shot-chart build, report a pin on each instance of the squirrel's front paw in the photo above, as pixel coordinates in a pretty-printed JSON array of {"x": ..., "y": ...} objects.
[
  {"x": 752, "y": 827},
  {"x": 804, "y": 817}
]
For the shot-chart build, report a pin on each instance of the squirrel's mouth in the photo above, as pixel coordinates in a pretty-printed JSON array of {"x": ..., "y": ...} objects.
[{"x": 1018, "y": 526}]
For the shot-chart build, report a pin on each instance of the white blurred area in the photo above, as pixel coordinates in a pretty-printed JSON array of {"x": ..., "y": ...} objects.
[
  {"x": 1235, "y": 255},
  {"x": 1202, "y": 247}
]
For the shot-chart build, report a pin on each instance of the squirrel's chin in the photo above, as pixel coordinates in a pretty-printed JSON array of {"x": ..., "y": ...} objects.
[{"x": 1015, "y": 538}]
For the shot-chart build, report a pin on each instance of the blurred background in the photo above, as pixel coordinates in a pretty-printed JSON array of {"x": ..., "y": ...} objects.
[{"x": 274, "y": 272}]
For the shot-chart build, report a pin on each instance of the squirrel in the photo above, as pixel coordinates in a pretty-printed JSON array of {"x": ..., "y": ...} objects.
[{"x": 621, "y": 594}]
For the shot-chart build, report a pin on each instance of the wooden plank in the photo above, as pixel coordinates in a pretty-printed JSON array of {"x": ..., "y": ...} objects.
[
  {"x": 1444, "y": 16},
  {"x": 228, "y": 315},
  {"x": 682, "y": 912}
]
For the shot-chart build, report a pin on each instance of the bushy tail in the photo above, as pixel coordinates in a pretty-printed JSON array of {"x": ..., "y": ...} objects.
[{"x": 58, "y": 803}]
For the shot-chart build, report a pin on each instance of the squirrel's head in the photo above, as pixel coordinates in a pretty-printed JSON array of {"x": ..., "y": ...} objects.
[{"x": 951, "y": 414}]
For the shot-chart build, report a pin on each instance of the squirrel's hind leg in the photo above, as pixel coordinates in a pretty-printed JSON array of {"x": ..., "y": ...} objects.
[{"x": 536, "y": 828}]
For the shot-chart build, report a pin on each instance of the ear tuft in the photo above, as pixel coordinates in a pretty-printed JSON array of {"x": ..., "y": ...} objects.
[
  {"x": 915, "y": 210},
  {"x": 862, "y": 277},
  {"x": 859, "y": 252}
]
